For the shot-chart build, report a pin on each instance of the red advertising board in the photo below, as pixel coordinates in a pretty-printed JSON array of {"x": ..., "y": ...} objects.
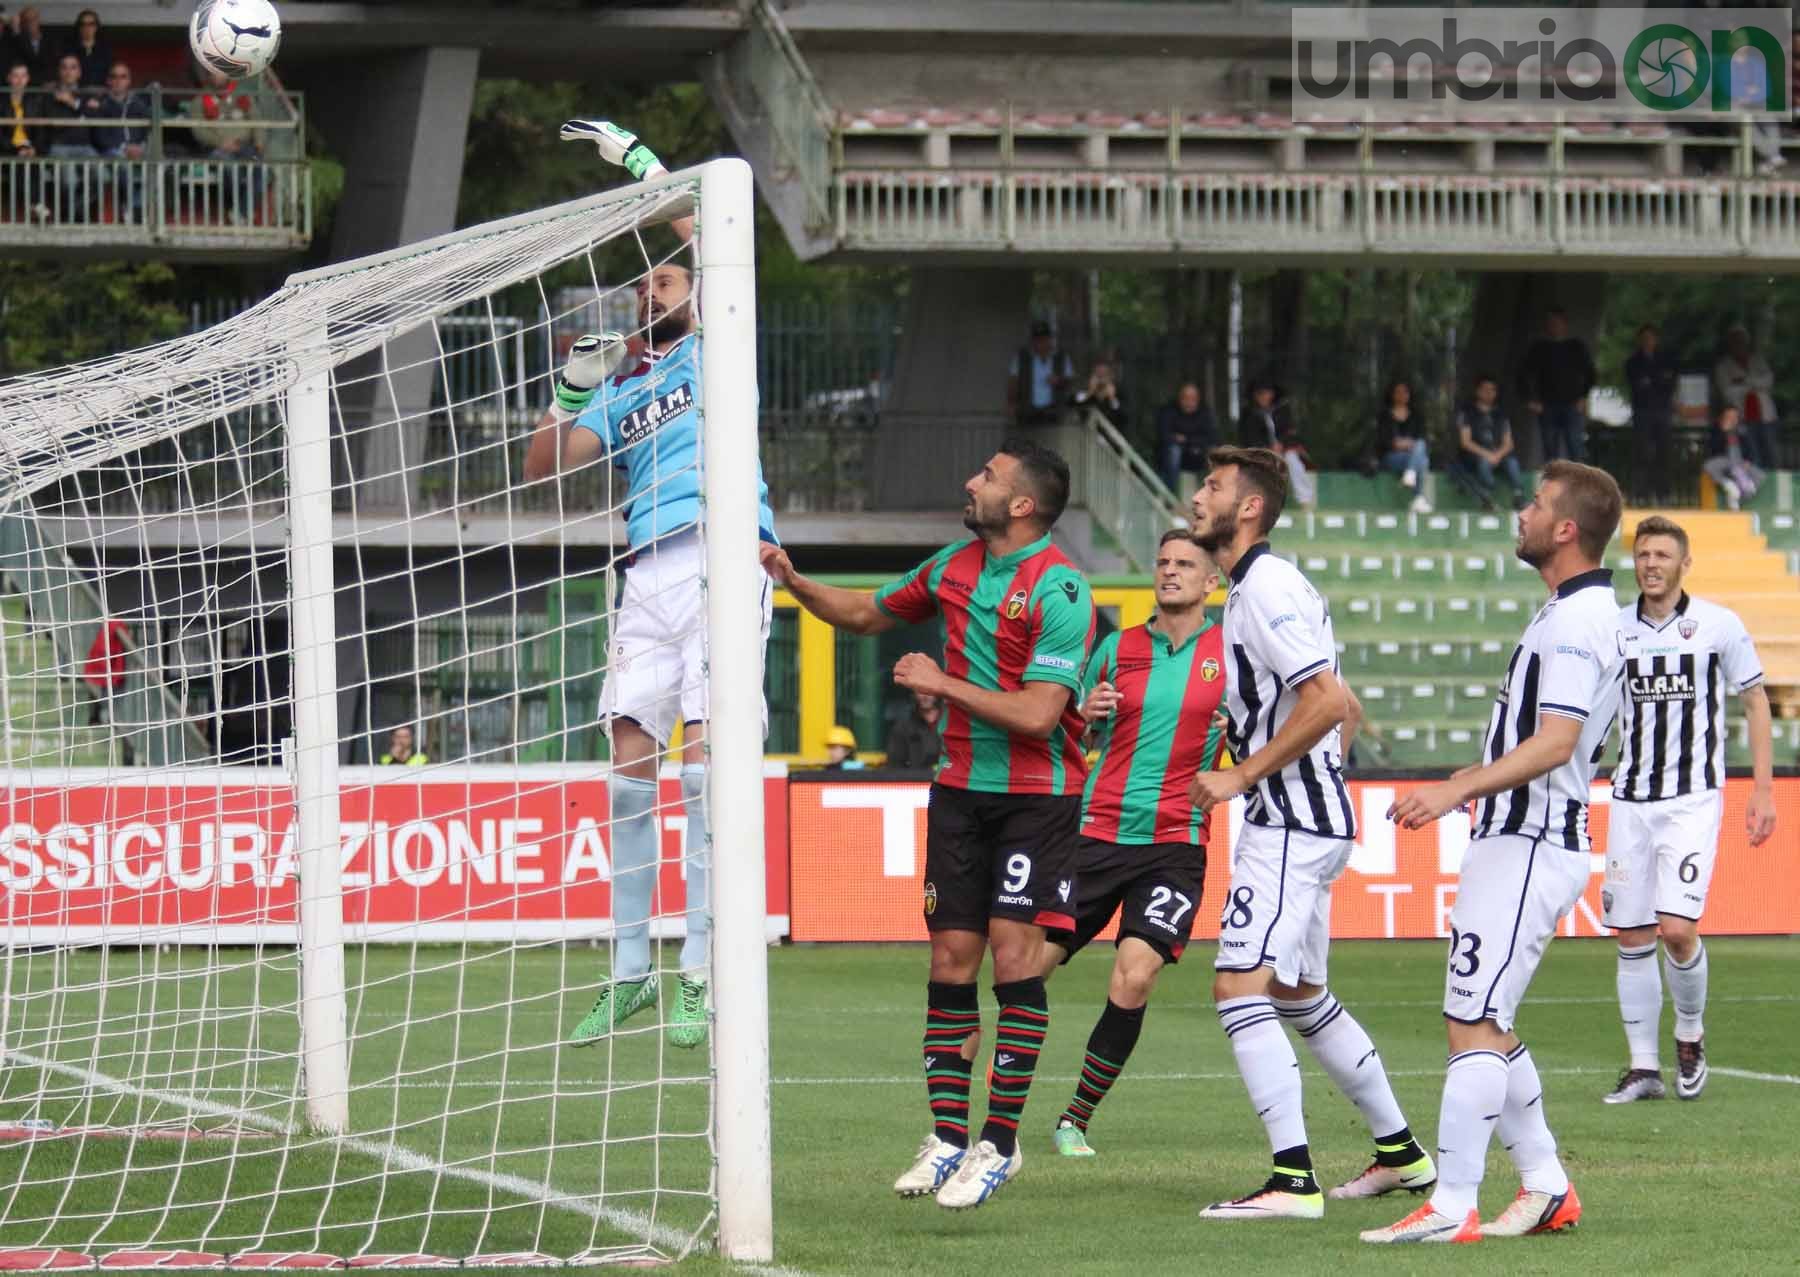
[
  {"x": 480, "y": 853},
  {"x": 858, "y": 862}
]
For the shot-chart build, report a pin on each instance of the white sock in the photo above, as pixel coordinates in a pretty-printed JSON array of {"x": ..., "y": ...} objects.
[
  {"x": 1474, "y": 1095},
  {"x": 1640, "y": 1003},
  {"x": 697, "y": 855},
  {"x": 635, "y": 862},
  {"x": 1348, "y": 1057},
  {"x": 1687, "y": 990},
  {"x": 1269, "y": 1067},
  {"x": 1523, "y": 1131}
]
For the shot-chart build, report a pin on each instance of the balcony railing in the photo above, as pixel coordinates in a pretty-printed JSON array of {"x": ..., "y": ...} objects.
[
  {"x": 1325, "y": 214},
  {"x": 184, "y": 171}
]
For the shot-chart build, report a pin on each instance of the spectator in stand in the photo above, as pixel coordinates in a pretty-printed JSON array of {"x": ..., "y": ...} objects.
[
  {"x": 27, "y": 43},
  {"x": 1484, "y": 443},
  {"x": 90, "y": 48},
  {"x": 1556, "y": 378},
  {"x": 24, "y": 142},
  {"x": 400, "y": 752},
  {"x": 71, "y": 141},
  {"x": 1267, "y": 422},
  {"x": 1039, "y": 379},
  {"x": 1400, "y": 442},
  {"x": 1653, "y": 376},
  {"x": 916, "y": 741},
  {"x": 840, "y": 751},
  {"x": 1185, "y": 433},
  {"x": 124, "y": 140},
  {"x": 105, "y": 668},
  {"x": 1730, "y": 468},
  {"x": 1742, "y": 379},
  {"x": 1102, "y": 394}
]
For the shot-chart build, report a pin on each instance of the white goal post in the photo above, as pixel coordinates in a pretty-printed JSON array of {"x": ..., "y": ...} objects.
[{"x": 281, "y": 999}]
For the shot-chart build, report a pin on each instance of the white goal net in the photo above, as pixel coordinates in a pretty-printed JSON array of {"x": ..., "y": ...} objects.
[{"x": 308, "y": 845}]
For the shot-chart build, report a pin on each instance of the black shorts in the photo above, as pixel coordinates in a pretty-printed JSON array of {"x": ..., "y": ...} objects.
[
  {"x": 999, "y": 856},
  {"x": 1154, "y": 886}
]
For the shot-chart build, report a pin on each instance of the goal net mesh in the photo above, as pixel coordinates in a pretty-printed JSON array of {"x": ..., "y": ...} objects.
[{"x": 154, "y": 1096}]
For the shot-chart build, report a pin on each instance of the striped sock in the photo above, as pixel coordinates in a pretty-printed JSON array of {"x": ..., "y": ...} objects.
[
  {"x": 1109, "y": 1046},
  {"x": 1018, "y": 1037},
  {"x": 952, "y": 1014}
]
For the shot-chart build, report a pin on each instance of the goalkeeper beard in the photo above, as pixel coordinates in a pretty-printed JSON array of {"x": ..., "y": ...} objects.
[{"x": 666, "y": 327}]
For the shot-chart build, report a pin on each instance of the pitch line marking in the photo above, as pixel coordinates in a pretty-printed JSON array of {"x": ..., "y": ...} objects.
[{"x": 630, "y": 1222}]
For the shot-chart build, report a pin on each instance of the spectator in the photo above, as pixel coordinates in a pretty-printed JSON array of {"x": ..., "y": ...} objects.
[
  {"x": 1185, "y": 433},
  {"x": 1653, "y": 376},
  {"x": 915, "y": 741},
  {"x": 1268, "y": 423},
  {"x": 1038, "y": 380},
  {"x": 104, "y": 670},
  {"x": 122, "y": 141},
  {"x": 1737, "y": 476},
  {"x": 1742, "y": 379},
  {"x": 90, "y": 48},
  {"x": 400, "y": 752},
  {"x": 27, "y": 43},
  {"x": 1102, "y": 394},
  {"x": 24, "y": 142},
  {"x": 72, "y": 141},
  {"x": 1556, "y": 378},
  {"x": 1484, "y": 443},
  {"x": 1400, "y": 442},
  {"x": 840, "y": 750}
]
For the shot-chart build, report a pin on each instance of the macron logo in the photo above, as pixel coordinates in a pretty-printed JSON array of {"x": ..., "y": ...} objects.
[{"x": 1003, "y": 1059}]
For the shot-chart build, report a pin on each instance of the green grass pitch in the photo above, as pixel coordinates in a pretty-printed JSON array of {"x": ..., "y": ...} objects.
[{"x": 1666, "y": 1185}]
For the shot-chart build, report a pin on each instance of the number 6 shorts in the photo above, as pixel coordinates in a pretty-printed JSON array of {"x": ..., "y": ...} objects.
[
  {"x": 1278, "y": 908},
  {"x": 999, "y": 856},
  {"x": 1512, "y": 892},
  {"x": 1659, "y": 858}
]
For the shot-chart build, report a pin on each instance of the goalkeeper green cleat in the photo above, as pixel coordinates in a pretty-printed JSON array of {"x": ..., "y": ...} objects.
[
  {"x": 1071, "y": 1141},
  {"x": 687, "y": 1026},
  {"x": 616, "y": 1004}
]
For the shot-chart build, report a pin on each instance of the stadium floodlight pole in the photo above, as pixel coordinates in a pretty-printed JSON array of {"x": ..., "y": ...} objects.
[
  {"x": 325, "y": 1061},
  {"x": 734, "y": 734}
]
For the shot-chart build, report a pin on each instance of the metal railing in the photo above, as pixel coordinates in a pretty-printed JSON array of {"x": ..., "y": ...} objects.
[
  {"x": 798, "y": 116},
  {"x": 1116, "y": 486},
  {"x": 1274, "y": 214},
  {"x": 168, "y": 175}
]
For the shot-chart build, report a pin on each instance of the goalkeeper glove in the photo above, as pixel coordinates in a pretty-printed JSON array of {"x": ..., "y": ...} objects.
[
  {"x": 592, "y": 359},
  {"x": 617, "y": 146}
]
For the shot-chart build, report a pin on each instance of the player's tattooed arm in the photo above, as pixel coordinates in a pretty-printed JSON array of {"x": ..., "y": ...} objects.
[{"x": 851, "y": 610}]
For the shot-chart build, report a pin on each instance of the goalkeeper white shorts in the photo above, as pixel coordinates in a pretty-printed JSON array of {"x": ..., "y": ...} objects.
[{"x": 656, "y": 654}]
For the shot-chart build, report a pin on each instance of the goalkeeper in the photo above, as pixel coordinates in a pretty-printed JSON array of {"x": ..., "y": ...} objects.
[{"x": 643, "y": 416}]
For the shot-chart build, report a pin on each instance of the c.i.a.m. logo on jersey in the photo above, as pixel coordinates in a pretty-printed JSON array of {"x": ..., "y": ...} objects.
[
  {"x": 1015, "y": 605},
  {"x": 641, "y": 421}
]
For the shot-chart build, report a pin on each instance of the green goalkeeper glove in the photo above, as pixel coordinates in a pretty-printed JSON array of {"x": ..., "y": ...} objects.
[
  {"x": 592, "y": 359},
  {"x": 617, "y": 146}
]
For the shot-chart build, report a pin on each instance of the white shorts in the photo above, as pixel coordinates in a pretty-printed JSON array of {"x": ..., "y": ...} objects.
[
  {"x": 1659, "y": 858},
  {"x": 1278, "y": 907},
  {"x": 656, "y": 653},
  {"x": 1512, "y": 892}
]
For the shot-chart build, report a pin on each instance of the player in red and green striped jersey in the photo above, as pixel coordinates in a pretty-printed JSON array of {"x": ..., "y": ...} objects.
[
  {"x": 1002, "y": 825},
  {"x": 1152, "y": 693}
]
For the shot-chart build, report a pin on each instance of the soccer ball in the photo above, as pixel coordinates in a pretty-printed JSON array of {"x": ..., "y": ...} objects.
[{"x": 237, "y": 38}]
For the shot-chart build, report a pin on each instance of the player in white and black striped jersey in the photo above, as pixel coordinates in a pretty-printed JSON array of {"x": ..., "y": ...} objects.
[
  {"x": 1526, "y": 865},
  {"x": 1285, "y": 704},
  {"x": 1682, "y": 655}
]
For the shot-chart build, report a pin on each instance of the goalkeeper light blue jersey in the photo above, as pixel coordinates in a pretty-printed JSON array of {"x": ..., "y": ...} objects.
[{"x": 648, "y": 421}]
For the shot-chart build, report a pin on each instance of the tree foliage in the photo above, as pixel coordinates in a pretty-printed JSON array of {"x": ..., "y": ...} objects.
[{"x": 63, "y": 312}]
